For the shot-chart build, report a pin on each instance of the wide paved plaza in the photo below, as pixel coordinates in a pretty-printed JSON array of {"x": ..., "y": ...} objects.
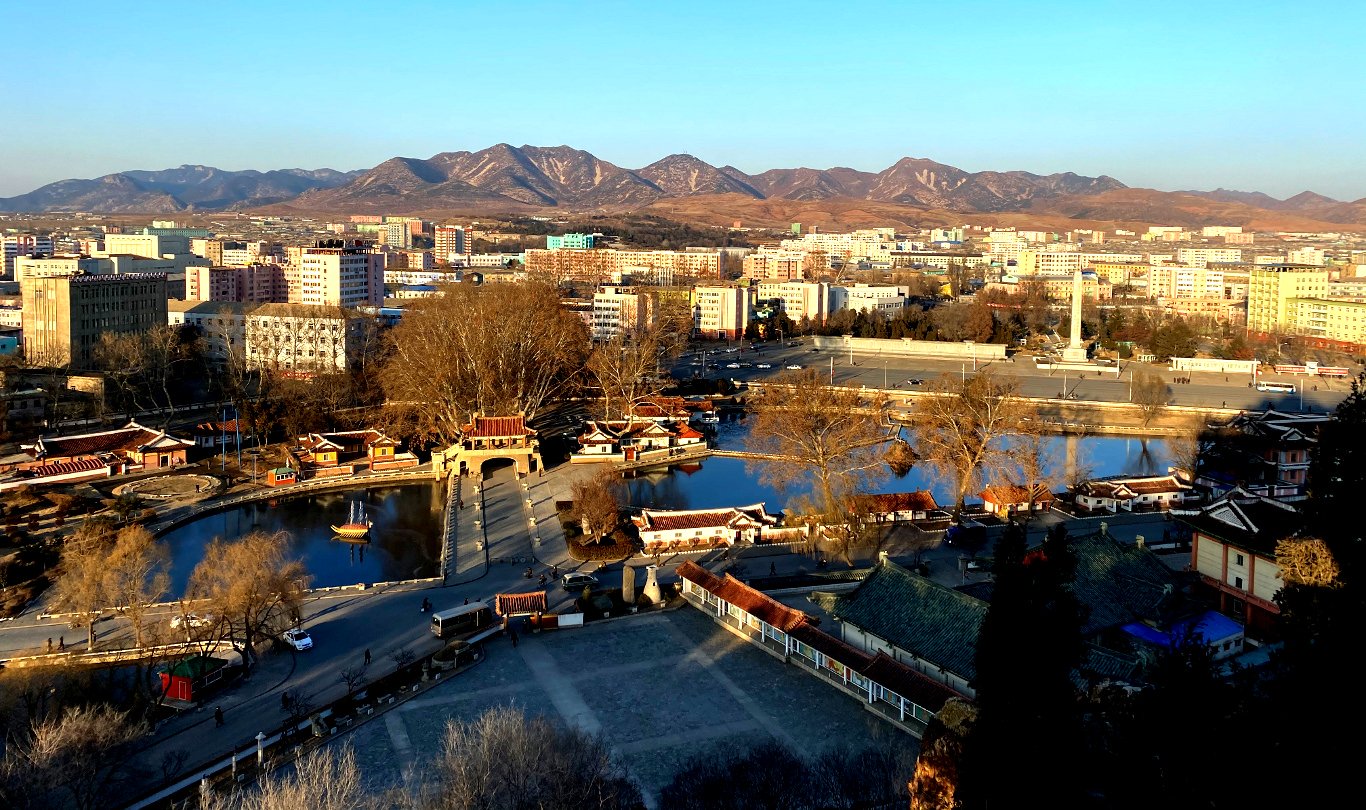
[{"x": 661, "y": 688}]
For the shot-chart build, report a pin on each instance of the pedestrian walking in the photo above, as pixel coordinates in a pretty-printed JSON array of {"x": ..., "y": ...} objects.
[
  {"x": 512, "y": 634},
  {"x": 61, "y": 642},
  {"x": 218, "y": 717},
  {"x": 773, "y": 569},
  {"x": 467, "y": 600},
  {"x": 284, "y": 702},
  {"x": 49, "y": 644},
  {"x": 367, "y": 656}
]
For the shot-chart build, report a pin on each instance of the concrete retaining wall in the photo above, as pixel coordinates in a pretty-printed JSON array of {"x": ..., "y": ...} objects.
[{"x": 905, "y": 347}]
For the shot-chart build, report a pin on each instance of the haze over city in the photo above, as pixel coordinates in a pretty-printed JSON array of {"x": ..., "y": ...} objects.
[{"x": 1165, "y": 95}]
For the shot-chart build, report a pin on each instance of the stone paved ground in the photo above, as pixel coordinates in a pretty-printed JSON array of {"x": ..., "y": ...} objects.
[{"x": 662, "y": 689}]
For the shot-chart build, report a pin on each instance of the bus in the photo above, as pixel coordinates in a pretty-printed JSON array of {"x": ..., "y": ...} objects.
[
  {"x": 1278, "y": 387},
  {"x": 472, "y": 622}
]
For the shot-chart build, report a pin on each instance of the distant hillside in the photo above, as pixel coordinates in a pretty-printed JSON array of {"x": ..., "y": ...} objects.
[{"x": 521, "y": 179}]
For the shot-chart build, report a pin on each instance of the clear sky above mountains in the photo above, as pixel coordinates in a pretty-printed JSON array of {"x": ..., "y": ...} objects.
[{"x": 1172, "y": 95}]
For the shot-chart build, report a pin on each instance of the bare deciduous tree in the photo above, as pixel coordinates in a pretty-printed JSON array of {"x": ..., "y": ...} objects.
[
  {"x": 1307, "y": 561},
  {"x": 504, "y": 759},
  {"x": 325, "y": 779},
  {"x": 80, "y": 587},
  {"x": 252, "y": 584},
  {"x": 597, "y": 504},
  {"x": 822, "y": 430},
  {"x": 501, "y": 349},
  {"x": 76, "y": 757},
  {"x": 1150, "y": 395},
  {"x": 136, "y": 575},
  {"x": 959, "y": 429},
  {"x": 1032, "y": 453}
]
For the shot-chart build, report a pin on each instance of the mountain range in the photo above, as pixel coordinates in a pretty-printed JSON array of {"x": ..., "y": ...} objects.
[{"x": 505, "y": 178}]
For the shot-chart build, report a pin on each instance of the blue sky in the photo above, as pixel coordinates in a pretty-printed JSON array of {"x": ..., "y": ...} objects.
[{"x": 1268, "y": 96}]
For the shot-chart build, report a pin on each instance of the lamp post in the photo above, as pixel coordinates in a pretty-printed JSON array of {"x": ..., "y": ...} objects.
[{"x": 884, "y": 373}]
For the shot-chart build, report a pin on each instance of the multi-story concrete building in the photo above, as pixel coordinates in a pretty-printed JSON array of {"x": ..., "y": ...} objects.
[
  {"x": 1199, "y": 257},
  {"x": 1175, "y": 281},
  {"x": 1240, "y": 238},
  {"x": 869, "y": 298},
  {"x": 609, "y": 264},
  {"x": 149, "y": 245},
  {"x": 305, "y": 339},
  {"x": 798, "y": 299},
  {"x": 1272, "y": 287},
  {"x": 222, "y": 325},
  {"x": 1306, "y": 255},
  {"x": 1057, "y": 288},
  {"x": 25, "y": 244},
  {"x": 781, "y": 265},
  {"x": 869, "y": 244},
  {"x": 449, "y": 242},
  {"x": 570, "y": 241},
  {"x": 620, "y": 310},
  {"x": 336, "y": 274},
  {"x": 43, "y": 266},
  {"x": 401, "y": 277},
  {"x": 397, "y": 234},
  {"x": 253, "y": 284},
  {"x": 64, "y": 316},
  {"x": 1328, "y": 319},
  {"x": 1214, "y": 231},
  {"x": 720, "y": 312},
  {"x": 210, "y": 249}
]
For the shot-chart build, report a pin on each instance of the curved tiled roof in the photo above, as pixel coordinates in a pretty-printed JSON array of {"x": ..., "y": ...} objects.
[{"x": 917, "y": 615}]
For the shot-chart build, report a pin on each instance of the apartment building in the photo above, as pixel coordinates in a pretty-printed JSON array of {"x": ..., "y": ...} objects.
[
  {"x": 1271, "y": 288},
  {"x": 868, "y": 244},
  {"x": 1215, "y": 231},
  {"x": 305, "y": 339},
  {"x": 570, "y": 241},
  {"x": 619, "y": 310},
  {"x": 222, "y": 324},
  {"x": 333, "y": 273},
  {"x": 603, "y": 265},
  {"x": 1057, "y": 288},
  {"x": 798, "y": 299},
  {"x": 1200, "y": 257},
  {"x": 869, "y": 298},
  {"x": 44, "y": 266},
  {"x": 782, "y": 265},
  {"x": 1306, "y": 256},
  {"x": 210, "y": 249},
  {"x": 449, "y": 242},
  {"x": 253, "y": 284},
  {"x": 720, "y": 312},
  {"x": 1328, "y": 319},
  {"x": 149, "y": 245},
  {"x": 1239, "y": 238},
  {"x": 64, "y": 316},
  {"x": 396, "y": 234},
  {"x": 1175, "y": 281},
  {"x": 25, "y": 244}
]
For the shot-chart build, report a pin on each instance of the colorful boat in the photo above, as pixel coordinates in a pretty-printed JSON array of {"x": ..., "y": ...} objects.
[{"x": 356, "y": 527}]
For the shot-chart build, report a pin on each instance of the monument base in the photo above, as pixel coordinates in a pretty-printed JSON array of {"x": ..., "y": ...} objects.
[{"x": 1074, "y": 354}]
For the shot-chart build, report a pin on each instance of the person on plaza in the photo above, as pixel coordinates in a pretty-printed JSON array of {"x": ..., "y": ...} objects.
[
  {"x": 218, "y": 717},
  {"x": 512, "y": 634},
  {"x": 49, "y": 644},
  {"x": 284, "y": 701},
  {"x": 772, "y": 569},
  {"x": 467, "y": 600},
  {"x": 367, "y": 656},
  {"x": 61, "y": 642}
]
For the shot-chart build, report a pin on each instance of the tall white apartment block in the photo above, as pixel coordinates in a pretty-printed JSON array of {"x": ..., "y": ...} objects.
[
  {"x": 1174, "y": 281},
  {"x": 720, "y": 312},
  {"x": 798, "y": 299},
  {"x": 1199, "y": 257},
  {"x": 1306, "y": 255},
  {"x": 333, "y": 274},
  {"x": 25, "y": 244},
  {"x": 868, "y": 297},
  {"x": 449, "y": 242},
  {"x": 617, "y": 311}
]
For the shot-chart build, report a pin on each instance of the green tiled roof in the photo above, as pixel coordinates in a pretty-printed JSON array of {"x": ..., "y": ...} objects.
[
  {"x": 917, "y": 615},
  {"x": 1118, "y": 582}
]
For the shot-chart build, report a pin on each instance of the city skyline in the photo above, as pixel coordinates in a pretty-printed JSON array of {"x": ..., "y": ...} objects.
[{"x": 1172, "y": 98}]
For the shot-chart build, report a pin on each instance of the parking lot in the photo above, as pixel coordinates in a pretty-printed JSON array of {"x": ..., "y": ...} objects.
[{"x": 661, "y": 688}]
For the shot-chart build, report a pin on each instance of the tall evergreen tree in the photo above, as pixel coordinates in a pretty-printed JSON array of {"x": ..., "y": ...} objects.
[{"x": 1024, "y": 749}]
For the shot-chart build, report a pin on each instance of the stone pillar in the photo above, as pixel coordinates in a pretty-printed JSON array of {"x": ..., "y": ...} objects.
[{"x": 1075, "y": 351}]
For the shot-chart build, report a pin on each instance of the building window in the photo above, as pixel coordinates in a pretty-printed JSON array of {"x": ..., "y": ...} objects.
[
  {"x": 1240, "y": 559},
  {"x": 1238, "y": 582}
]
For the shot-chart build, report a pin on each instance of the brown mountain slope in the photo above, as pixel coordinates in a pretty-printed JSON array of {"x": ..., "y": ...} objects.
[{"x": 1178, "y": 208}]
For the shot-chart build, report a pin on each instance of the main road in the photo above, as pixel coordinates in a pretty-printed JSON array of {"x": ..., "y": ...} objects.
[{"x": 896, "y": 373}]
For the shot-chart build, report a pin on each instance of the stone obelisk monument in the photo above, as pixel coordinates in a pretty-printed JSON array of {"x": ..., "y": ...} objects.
[{"x": 1075, "y": 351}]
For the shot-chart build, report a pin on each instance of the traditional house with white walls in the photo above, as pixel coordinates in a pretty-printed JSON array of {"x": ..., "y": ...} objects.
[
  {"x": 894, "y": 507},
  {"x": 1233, "y": 549},
  {"x": 1131, "y": 493},
  {"x": 1007, "y": 499},
  {"x": 86, "y": 456},
  {"x": 884, "y": 686},
  {"x": 327, "y": 455},
  {"x": 701, "y": 529},
  {"x": 622, "y": 440}
]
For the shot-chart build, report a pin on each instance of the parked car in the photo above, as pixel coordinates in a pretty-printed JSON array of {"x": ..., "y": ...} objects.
[
  {"x": 732, "y": 365},
  {"x": 298, "y": 639},
  {"x": 794, "y": 367},
  {"x": 914, "y": 381},
  {"x": 764, "y": 365},
  {"x": 191, "y": 619},
  {"x": 576, "y": 581}
]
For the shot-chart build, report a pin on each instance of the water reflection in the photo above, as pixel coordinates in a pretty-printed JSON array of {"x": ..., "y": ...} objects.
[
  {"x": 720, "y": 482},
  {"x": 404, "y": 540}
]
